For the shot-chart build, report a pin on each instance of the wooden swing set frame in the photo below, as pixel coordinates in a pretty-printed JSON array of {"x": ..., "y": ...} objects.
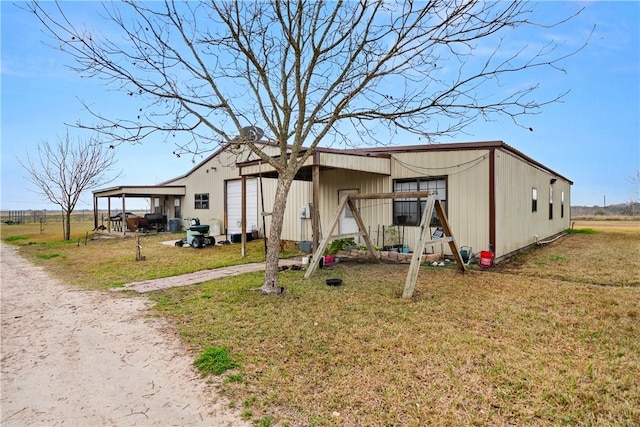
[{"x": 412, "y": 276}]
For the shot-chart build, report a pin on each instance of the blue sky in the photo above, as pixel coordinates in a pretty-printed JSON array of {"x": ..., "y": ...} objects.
[{"x": 592, "y": 137}]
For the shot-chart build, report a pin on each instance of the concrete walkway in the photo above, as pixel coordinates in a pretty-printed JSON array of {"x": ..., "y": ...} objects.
[{"x": 199, "y": 276}]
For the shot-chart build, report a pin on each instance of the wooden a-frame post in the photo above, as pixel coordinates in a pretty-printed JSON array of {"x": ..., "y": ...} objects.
[
  {"x": 412, "y": 276},
  {"x": 431, "y": 204}
]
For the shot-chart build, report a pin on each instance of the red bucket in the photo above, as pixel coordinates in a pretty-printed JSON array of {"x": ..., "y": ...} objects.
[{"x": 486, "y": 258}]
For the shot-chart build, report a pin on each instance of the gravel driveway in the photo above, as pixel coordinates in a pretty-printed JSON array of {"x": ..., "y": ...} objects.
[{"x": 88, "y": 358}]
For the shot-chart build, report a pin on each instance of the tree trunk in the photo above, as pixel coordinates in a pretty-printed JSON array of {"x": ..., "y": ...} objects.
[
  {"x": 67, "y": 225},
  {"x": 271, "y": 284},
  {"x": 64, "y": 225}
]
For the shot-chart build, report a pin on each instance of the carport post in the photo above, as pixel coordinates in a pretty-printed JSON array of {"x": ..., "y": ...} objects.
[
  {"x": 95, "y": 213},
  {"x": 124, "y": 216},
  {"x": 315, "y": 215}
]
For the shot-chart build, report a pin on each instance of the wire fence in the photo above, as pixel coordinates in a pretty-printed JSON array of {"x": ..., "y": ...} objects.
[{"x": 46, "y": 216}]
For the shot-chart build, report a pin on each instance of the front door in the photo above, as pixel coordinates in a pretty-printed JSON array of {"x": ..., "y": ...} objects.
[{"x": 348, "y": 223}]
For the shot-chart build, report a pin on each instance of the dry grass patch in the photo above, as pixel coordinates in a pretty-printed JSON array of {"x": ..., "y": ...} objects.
[
  {"x": 603, "y": 258},
  {"x": 549, "y": 338},
  {"x": 480, "y": 348},
  {"x": 611, "y": 224}
]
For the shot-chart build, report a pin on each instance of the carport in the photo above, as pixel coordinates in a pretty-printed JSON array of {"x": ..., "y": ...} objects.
[{"x": 137, "y": 192}]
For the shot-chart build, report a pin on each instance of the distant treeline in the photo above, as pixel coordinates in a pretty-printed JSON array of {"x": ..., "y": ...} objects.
[{"x": 621, "y": 209}]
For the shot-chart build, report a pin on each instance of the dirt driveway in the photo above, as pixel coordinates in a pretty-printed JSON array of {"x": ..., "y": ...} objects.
[{"x": 88, "y": 358}]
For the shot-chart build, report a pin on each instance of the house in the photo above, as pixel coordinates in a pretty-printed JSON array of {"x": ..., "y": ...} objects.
[
  {"x": 494, "y": 196},
  {"x": 212, "y": 192}
]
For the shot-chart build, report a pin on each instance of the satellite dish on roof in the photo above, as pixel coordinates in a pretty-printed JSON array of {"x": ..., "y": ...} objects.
[{"x": 252, "y": 133}]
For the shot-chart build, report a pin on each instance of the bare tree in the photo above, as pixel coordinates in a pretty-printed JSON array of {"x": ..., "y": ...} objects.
[
  {"x": 66, "y": 169},
  {"x": 343, "y": 72}
]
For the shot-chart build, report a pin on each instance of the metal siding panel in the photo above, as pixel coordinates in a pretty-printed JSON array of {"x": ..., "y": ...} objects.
[
  {"x": 373, "y": 212},
  {"x": 210, "y": 177},
  {"x": 467, "y": 175},
  {"x": 299, "y": 195},
  {"x": 517, "y": 224},
  {"x": 377, "y": 165},
  {"x": 467, "y": 196},
  {"x": 252, "y": 205}
]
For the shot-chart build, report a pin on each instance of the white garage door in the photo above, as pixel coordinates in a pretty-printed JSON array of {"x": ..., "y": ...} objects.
[{"x": 234, "y": 205}]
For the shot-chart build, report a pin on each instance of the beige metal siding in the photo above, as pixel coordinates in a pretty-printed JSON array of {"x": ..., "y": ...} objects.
[
  {"x": 373, "y": 212},
  {"x": 516, "y": 225},
  {"x": 467, "y": 195},
  {"x": 300, "y": 195},
  {"x": 378, "y": 165},
  {"x": 210, "y": 178},
  {"x": 467, "y": 174}
]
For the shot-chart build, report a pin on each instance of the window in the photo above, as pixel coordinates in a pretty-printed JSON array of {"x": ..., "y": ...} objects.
[
  {"x": 562, "y": 204},
  {"x": 156, "y": 205},
  {"x": 534, "y": 199},
  {"x": 202, "y": 201},
  {"x": 176, "y": 208},
  {"x": 409, "y": 211},
  {"x": 550, "y": 202}
]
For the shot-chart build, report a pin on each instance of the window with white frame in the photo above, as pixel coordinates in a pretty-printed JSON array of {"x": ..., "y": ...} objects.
[
  {"x": 534, "y": 199},
  {"x": 409, "y": 211},
  {"x": 550, "y": 202}
]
